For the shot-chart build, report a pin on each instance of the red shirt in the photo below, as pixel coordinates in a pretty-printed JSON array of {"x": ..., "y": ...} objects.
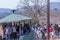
[{"x": 50, "y": 29}]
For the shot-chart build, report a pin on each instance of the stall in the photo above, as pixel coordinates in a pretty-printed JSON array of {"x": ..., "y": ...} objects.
[{"x": 14, "y": 18}]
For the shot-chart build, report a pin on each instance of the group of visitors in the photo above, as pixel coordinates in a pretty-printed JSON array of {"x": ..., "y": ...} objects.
[
  {"x": 14, "y": 31},
  {"x": 9, "y": 31},
  {"x": 53, "y": 30}
]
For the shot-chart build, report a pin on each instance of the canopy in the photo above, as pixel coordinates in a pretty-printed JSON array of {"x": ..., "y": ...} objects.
[{"x": 14, "y": 18}]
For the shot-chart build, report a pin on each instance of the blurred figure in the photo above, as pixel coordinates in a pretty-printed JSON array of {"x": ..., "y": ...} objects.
[
  {"x": 37, "y": 25},
  {"x": 1, "y": 32},
  {"x": 51, "y": 32},
  {"x": 17, "y": 28},
  {"x": 43, "y": 33},
  {"x": 14, "y": 32},
  {"x": 45, "y": 27},
  {"x": 13, "y": 28},
  {"x": 7, "y": 32},
  {"x": 56, "y": 29},
  {"x": 53, "y": 28},
  {"x": 21, "y": 32},
  {"x": 36, "y": 34},
  {"x": 26, "y": 28}
]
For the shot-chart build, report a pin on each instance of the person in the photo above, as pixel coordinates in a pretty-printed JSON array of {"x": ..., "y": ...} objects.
[
  {"x": 14, "y": 31},
  {"x": 44, "y": 27},
  {"x": 13, "y": 34},
  {"x": 21, "y": 32},
  {"x": 51, "y": 32},
  {"x": 17, "y": 29},
  {"x": 1, "y": 32},
  {"x": 58, "y": 29},
  {"x": 36, "y": 34},
  {"x": 13, "y": 28},
  {"x": 43, "y": 33},
  {"x": 26, "y": 28},
  {"x": 10, "y": 31},
  {"x": 53, "y": 27},
  {"x": 37, "y": 25},
  {"x": 7, "y": 32}
]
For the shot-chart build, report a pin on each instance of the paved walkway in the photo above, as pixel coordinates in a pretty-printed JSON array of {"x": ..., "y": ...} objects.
[
  {"x": 54, "y": 38},
  {"x": 50, "y": 39}
]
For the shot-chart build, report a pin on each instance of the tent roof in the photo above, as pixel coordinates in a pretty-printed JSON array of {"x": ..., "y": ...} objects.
[{"x": 14, "y": 18}]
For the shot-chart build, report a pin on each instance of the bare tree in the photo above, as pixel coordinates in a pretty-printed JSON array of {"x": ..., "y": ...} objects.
[{"x": 34, "y": 10}]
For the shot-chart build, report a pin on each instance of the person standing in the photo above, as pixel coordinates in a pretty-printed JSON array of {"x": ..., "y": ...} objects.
[
  {"x": 1, "y": 33},
  {"x": 44, "y": 27},
  {"x": 7, "y": 32},
  {"x": 14, "y": 31},
  {"x": 37, "y": 25},
  {"x": 51, "y": 32}
]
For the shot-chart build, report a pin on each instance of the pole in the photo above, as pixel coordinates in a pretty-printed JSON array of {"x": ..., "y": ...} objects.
[{"x": 48, "y": 18}]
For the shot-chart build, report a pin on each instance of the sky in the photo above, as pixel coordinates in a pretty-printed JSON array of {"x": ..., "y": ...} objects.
[{"x": 12, "y": 4}]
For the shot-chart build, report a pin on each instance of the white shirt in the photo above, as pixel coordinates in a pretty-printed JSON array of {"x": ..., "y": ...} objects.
[
  {"x": 45, "y": 26},
  {"x": 7, "y": 30},
  {"x": 58, "y": 25}
]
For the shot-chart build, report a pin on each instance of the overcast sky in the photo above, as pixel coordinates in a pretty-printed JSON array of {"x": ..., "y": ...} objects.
[{"x": 12, "y": 4}]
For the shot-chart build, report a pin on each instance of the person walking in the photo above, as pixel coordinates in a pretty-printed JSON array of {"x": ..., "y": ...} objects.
[
  {"x": 51, "y": 32},
  {"x": 43, "y": 33}
]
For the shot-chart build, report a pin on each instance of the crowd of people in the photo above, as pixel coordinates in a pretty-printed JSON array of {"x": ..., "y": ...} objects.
[
  {"x": 54, "y": 29},
  {"x": 10, "y": 31},
  {"x": 14, "y": 31}
]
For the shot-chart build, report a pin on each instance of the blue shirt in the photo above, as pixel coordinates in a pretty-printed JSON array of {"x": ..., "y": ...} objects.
[
  {"x": 22, "y": 32},
  {"x": 42, "y": 31}
]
